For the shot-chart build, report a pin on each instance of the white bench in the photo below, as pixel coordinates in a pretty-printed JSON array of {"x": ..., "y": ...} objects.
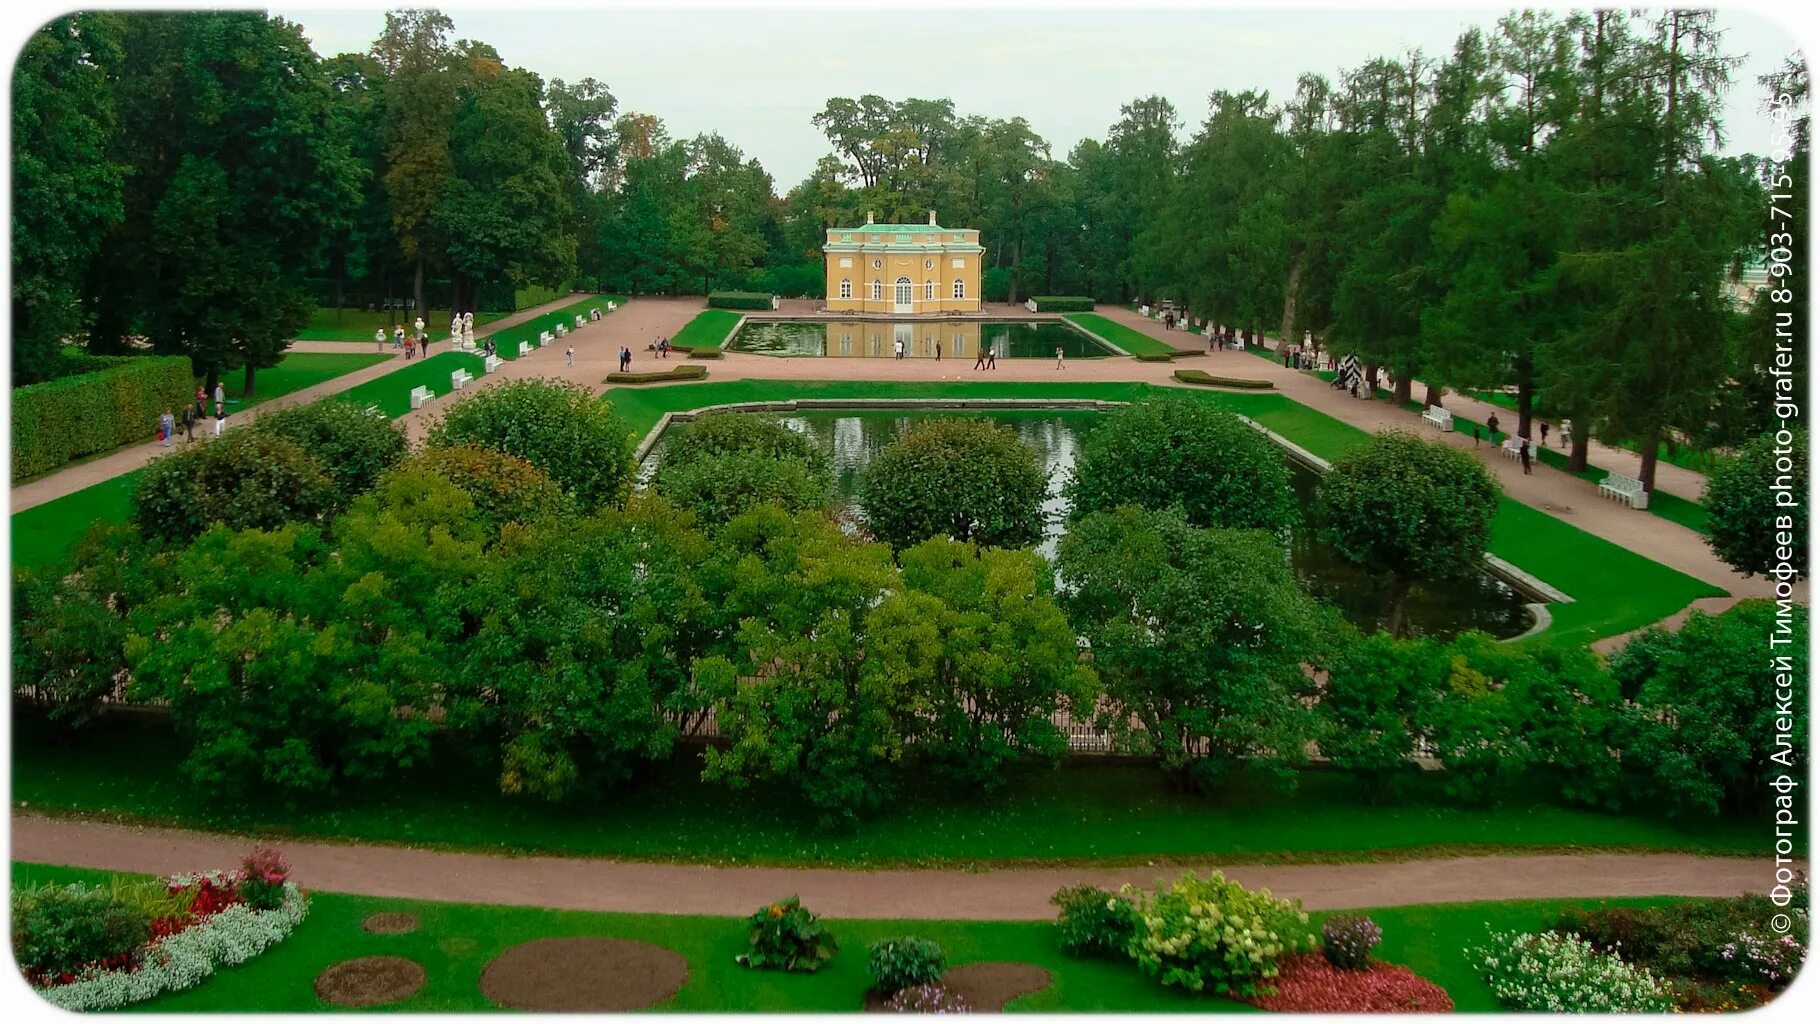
[
  {"x": 544, "y": 338},
  {"x": 524, "y": 348},
  {"x": 459, "y": 379},
  {"x": 578, "y": 320},
  {"x": 1627, "y": 489},
  {"x": 593, "y": 312},
  {"x": 376, "y": 412},
  {"x": 610, "y": 307},
  {"x": 420, "y": 396},
  {"x": 1512, "y": 448},
  {"x": 493, "y": 362},
  {"x": 561, "y": 331},
  {"x": 1439, "y": 417}
]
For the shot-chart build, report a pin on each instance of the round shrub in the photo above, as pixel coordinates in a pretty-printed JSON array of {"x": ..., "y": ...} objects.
[
  {"x": 505, "y": 488},
  {"x": 1177, "y": 452},
  {"x": 58, "y": 929},
  {"x": 1348, "y": 939},
  {"x": 353, "y": 445},
  {"x": 786, "y": 936},
  {"x": 1094, "y": 922},
  {"x": 1212, "y": 935},
  {"x": 1555, "y": 973},
  {"x": 969, "y": 479},
  {"x": 906, "y": 962},
  {"x": 559, "y": 428},
  {"x": 725, "y": 463},
  {"x": 247, "y": 479},
  {"x": 1742, "y": 511}
]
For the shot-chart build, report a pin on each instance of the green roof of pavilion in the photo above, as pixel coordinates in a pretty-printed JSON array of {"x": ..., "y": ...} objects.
[{"x": 900, "y": 229}]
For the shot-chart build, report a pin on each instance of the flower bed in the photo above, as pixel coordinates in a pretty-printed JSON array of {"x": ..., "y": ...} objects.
[
  {"x": 1559, "y": 973},
  {"x": 1307, "y": 983},
  {"x": 228, "y": 917}
]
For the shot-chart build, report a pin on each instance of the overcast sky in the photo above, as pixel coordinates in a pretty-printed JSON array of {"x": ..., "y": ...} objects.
[{"x": 757, "y": 75}]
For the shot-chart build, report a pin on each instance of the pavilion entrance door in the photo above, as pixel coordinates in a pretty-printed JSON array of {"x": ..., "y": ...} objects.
[{"x": 903, "y": 295}]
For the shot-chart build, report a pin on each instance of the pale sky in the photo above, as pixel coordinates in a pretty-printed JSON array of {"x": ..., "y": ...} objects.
[{"x": 758, "y": 75}]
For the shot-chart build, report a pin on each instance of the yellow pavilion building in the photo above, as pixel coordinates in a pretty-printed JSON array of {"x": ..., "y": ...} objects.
[{"x": 903, "y": 269}]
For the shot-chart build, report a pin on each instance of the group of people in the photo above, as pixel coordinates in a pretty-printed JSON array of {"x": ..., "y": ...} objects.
[
  {"x": 417, "y": 342},
  {"x": 988, "y": 358},
  {"x": 193, "y": 415}
]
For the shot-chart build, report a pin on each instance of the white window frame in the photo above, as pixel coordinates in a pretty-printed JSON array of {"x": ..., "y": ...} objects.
[
  {"x": 929, "y": 291},
  {"x": 960, "y": 288},
  {"x": 878, "y": 290},
  {"x": 846, "y": 288}
]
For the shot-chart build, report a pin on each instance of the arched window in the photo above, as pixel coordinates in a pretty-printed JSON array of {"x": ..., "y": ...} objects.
[
  {"x": 960, "y": 288},
  {"x": 878, "y": 291},
  {"x": 929, "y": 290},
  {"x": 846, "y": 288}
]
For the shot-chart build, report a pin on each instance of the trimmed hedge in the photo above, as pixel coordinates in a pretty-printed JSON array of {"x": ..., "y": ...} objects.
[
  {"x": 1063, "y": 303},
  {"x": 739, "y": 300},
  {"x": 59, "y": 421},
  {"x": 1203, "y": 377},
  {"x": 1153, "y": 357},
  {"x": 684, "y": 372},
  {"x": 702, "y": 353}
]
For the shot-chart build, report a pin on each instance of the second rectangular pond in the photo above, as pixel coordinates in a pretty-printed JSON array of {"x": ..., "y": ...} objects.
[{"x": 927, "y": 339}]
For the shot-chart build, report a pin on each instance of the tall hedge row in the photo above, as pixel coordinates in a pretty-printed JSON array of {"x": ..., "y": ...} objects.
[
  {"x": 65, "y": 419},
  {"x": 1063, "y": 303},
  {"x": 739, "y": 300}
]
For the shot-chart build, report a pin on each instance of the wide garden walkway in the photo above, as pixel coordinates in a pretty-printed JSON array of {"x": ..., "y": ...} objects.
[
  {"x": 1009, "y": 894},
  {"x": 125, "y": 460}
]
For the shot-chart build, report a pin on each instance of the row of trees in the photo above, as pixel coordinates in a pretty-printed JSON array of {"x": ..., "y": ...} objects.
[{"x": 506, "y": 583}]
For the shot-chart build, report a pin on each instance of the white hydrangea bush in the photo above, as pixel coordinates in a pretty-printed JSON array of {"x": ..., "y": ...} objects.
[
  {"x": 231, "y": 936},
  {"x": 1557, "y": 973}
]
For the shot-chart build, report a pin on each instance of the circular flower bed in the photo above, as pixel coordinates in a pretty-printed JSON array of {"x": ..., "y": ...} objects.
[{"x": 218, "y": 919}]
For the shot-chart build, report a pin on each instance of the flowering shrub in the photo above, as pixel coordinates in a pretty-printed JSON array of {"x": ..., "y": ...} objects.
[
  {"x": 927, "y": 999},
  {"x": 787, "y": 937},
  {"x": 1309, "y": 984},
  {"x": 1094, "y": 922},
  {"x": 1566, "y": 974},
  {"x": 1763, "y": 960},
  {"x": 60, "y": 928},
  {"x": 1212, "y": 934},
  {"x": 262, "y": 876},
  {"x": 1348, "y": 939},
  {"x": 906, "y": 962}
]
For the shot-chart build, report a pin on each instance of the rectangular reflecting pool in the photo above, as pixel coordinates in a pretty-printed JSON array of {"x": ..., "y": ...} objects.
[
  {"x": 925, "y": 339},
  {"x": 851, "y": 438}
]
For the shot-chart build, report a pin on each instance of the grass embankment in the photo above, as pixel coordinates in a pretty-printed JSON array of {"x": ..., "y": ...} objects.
[
  {"x": 1614, "y": 589},
  {"x": 708, "y": 330},
  {"x": 1089, "y": 810},
  {"x": 1698, "y": 460},
  {"x": 392, "y": 392},
  {"x": 506, "y": 339},
  {"x": 330, "y": 324},
  {"x": 294, "y": 372},
  {"x": 1128, "y": 340},
  {"x": 454, "y": 942}
]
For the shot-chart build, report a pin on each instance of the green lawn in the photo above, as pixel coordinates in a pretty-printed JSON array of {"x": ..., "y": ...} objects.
[
  {"x": 293, "y": 373},
  {"x": 1615, "y": 590},
  {"x": 1126, "y": 339},
  {"x": 44, "y": 534},
  {"x": 392, "y": 392},
  {"x": 1086, "y": 810},
  {"x": 709, "y": 329},
  {"x": 454, "y": 941},
  {"x": 506, "y": 340},
  {"x": 330, "y": 324},
  {"x": 1699, "y": 460}
]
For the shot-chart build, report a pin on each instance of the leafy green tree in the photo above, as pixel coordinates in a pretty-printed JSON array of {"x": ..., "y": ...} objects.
[
  {"x": 559, "y": 428},
  {"x": 66, "y": 180},
  {"x": 809, "y": 695},
  {"x": 1704, "y": 733},
  {"x": 1756, "y": 504},
  {"x": 247, "y": 479},
  {"x": 415, "y": 116},
  {"x": 352, "y": 446},
  {"x": 1200, "y": 637},
  {"x": 576, "y": 668},
  {"x": 504, "y": 488},
  {"x": 1378, "y": 698},
  {"x": 968, "y": 479},
  {"x": 725, "y": 463},
  {"x": 1008, "y": 660},
  {"x": 1420, "y": 511},
  {"x": 1184, "y": 454}
]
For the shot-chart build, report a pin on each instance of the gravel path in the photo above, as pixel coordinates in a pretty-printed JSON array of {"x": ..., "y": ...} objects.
[{"x": 1009, "y": 894}]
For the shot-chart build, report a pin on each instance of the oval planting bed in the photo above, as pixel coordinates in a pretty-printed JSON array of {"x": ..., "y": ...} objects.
[
  {"x": 390, "y": 922},
  {"x": 370, "y": 981},
  {"x": 583, "y": 975},
  {"x": 981, "y": 988}
]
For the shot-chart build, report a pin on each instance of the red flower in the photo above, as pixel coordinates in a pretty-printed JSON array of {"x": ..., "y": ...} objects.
[{"x": 1307, "y": 983}]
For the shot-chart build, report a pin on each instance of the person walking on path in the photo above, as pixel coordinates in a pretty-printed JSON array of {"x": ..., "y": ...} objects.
[
  {"x": 189, "y": 424},
  {"x": 1523, "y": 454},
  {"x": 397, "y": 335},
  {"x": 1059, "y": 364},
  {"x": 1475, "y": 435},
  {"x": 571, "y": 355},
  {"x": 220, "y": 418},
  {"x": 1491, "y": 424},
  {"x": 220, "y": 393},
  {"x": 423, "y": 345},
  {"x": 979, "y": 361},
  {"x": 991, "y": 358},
  {"x": 1544, "y": 435},
  {"x": 898, "y": 348},
  {"x": 201, "y": 397},
  {"x": 938, "y": 350},
  {"x": 167, "y": 425}
]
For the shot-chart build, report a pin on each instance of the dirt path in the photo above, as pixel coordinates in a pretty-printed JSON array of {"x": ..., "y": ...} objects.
[
  {"x": 75, "y": 478},
  {"x": 1010, "y": 894}
]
